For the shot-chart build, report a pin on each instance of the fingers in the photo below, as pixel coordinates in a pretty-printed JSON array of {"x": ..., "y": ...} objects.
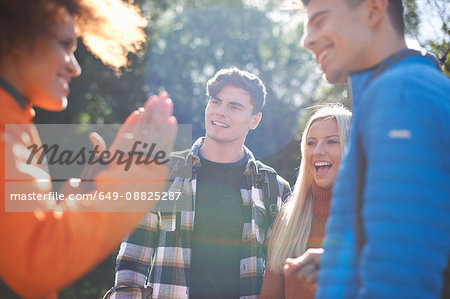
[
  {"x": 135, "y": 117},
  {"x": 153, "y": 123},
  {"x": 295, "y": 264},
  {"x": 313, "y": 277},
  {"x": 309, "y": 272},
  {"x": 171, "y": 133},
  {"x": 305, "y": 265},
  {"x": 97, "y": 141},
  {"x": 291, "y": 266},
  {"x": 157, "y": 109},
  {"x": 162, "y": 129},
  {"x": 163, "y": 95},
  {"x": 315, "y": 254},
  {"x": 152, "y": 109}
]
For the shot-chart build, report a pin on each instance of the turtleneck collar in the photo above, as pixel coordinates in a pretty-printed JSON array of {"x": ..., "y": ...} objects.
[
  {"x": 321, "y": 210},
  {"x": 322, "y": 199}
]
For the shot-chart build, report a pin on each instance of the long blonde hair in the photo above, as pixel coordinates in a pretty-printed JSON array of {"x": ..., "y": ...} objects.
[{"x": 293, "y": 225}]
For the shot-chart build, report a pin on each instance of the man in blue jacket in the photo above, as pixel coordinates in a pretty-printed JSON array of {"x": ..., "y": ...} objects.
[{"x": 388, "y": 235}]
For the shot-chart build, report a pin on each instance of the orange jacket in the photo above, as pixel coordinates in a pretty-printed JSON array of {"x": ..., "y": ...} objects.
[{"x": 40, "y": 253}]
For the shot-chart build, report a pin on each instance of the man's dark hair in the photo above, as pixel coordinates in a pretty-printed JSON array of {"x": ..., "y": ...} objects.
[
  {"x": 240, "y": 79},
  {"x": 395, "y": 12}
]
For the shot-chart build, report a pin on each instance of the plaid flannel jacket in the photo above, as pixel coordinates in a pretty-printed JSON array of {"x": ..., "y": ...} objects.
[{"x": 158, "y": 252}]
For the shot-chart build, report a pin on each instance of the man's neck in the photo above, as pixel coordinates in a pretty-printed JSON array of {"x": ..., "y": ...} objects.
[
  {"x": 385, "y": 44},
  {"x": 222, "y": 152}
]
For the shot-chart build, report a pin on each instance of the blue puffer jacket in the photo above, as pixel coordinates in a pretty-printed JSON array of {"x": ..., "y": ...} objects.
[{"x": 397, "y": 164}]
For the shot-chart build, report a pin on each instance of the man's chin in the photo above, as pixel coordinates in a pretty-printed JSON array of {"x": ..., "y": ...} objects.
[
  {"x": 220, "y": 139},
  {"x": 50, "y": 103},
  {"x": 216, "y": 139},
  {"x": 335, "y": 77}
]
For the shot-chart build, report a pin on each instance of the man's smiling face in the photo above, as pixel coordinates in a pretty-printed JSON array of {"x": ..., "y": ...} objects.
[
  {"x": 338, "y": 37},
  {"x": 229, "y": 115}
]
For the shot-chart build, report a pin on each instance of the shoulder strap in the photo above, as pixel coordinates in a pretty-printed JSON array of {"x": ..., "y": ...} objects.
[
  {"x": 146, "y": 291},
  {"x": 267, "y": 177},
  {"x": 400, "y": 56},
  {"x": 178, "y": 165}
]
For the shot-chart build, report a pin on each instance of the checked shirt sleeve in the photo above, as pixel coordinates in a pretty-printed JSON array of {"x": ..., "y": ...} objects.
[{"x": 135, "y": 257}]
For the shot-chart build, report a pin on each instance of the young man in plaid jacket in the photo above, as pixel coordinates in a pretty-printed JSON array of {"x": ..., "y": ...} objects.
[{"x": 233, "y": 207}]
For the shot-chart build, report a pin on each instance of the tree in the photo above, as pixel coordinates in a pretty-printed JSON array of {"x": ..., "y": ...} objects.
[
  {"x": 433, "y": 14},
  {"x": 189, "y": 40}
]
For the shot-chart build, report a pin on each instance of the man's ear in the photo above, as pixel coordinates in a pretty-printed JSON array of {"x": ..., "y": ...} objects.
[
  {"x": 377, "y": 11},
  {"x": 255, "y": 120}
]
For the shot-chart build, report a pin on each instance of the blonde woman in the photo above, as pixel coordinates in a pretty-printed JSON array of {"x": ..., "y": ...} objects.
[{"x": 301, "y": 224}]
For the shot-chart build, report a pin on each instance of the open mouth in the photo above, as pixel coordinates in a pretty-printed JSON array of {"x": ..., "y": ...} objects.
[
  {"x": 323, "y": 53},
  {"x": 63, "y": 82},
  {"x": 219, "y": 124},
  {"x": 322, "y": 167}
]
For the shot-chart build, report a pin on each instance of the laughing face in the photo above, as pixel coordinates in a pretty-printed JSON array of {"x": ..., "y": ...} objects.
[
  {"x": 46, "y": 71},
  {"x": 337, "y": 37},
  {"x": 229, "y": 116},
  {"x": 323, "y": 152}
]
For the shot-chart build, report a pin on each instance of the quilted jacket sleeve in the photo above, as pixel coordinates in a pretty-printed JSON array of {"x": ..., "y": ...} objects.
[{"x": 406, "y": 198}]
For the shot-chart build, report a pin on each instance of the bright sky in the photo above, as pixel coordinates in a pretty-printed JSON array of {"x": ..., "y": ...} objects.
[{"x": 431, "y": 13}]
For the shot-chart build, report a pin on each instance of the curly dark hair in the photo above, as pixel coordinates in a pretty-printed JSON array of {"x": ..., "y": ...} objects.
[{"x": 110, "y": 29}]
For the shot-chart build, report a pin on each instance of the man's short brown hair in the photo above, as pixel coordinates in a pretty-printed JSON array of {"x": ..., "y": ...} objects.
[
  {"x": 395, "y": 12},
  {"x": 240, "y": 79}
]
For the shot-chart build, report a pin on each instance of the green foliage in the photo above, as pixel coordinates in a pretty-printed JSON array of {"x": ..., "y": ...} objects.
[
  {"x": 412, "y": 20},
  {"x": 433, "y": 12},
  {"x": 188, "y": 41},
  {"x": 441, "y": 49},
  {"x": 197, "y": 42}
]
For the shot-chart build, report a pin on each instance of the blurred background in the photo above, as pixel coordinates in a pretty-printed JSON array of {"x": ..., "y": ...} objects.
[{"x": 188, "y": 42}]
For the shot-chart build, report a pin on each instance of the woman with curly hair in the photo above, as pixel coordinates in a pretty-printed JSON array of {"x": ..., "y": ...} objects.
[
  {"x": 301, "y": 223},
  {"x": 40, "y": 251}
]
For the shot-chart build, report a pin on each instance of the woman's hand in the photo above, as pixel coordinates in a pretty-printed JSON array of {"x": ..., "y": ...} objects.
[{"x": 303, "y": 272}]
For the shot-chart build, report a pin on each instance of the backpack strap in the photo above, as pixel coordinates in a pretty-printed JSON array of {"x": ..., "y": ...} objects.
[
  {"x": 267, "y": 178},
  {"x": 180, "y": 165},
  {"x": 400, "y": 56},
  {"x": 146, "y": 291}
]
